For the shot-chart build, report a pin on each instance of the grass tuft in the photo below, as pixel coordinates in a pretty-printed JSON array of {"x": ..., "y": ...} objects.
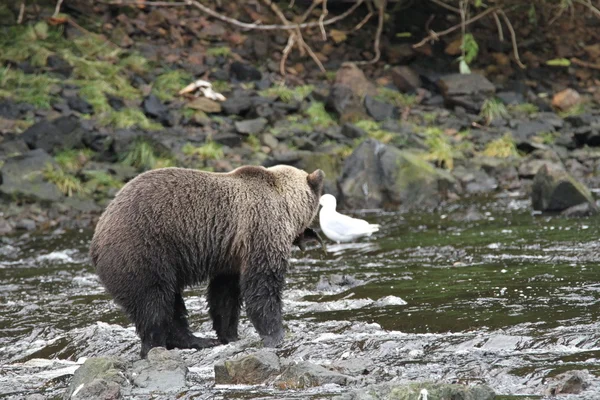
[
  {"x": 286, "y": 94},
  {"x": 208, "y": 151},
  {"x": 493, "y": 109},
  {"x": 128, "y": 118},
  {"x": 395, "y": 97},
  {"x": 503, "y": 147},
  {"x": 168, "y": 84},
  {"x": 67, "y": 183},
  {"x": 318, "y": 116},
  {"x": 440, "y": 148}
]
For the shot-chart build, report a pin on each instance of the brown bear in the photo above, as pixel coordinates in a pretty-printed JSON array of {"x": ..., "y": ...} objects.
[{"x": 174, "y": 227}]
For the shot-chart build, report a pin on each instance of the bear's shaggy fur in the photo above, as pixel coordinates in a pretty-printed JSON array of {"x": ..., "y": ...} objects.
[{"x": 173, "y": 227}]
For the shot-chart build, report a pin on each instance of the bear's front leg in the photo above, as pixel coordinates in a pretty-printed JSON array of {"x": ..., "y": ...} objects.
[{"x": 262, "y": 287}]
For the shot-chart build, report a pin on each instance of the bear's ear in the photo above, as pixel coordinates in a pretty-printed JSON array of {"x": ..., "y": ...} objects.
[{"x": 315, "y": 181}]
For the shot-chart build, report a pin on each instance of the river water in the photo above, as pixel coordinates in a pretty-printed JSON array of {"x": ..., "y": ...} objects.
[{"x": 479, "y": 291}]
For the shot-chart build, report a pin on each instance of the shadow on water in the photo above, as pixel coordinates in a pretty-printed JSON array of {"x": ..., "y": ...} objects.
[{"x": 473, "y": 293}]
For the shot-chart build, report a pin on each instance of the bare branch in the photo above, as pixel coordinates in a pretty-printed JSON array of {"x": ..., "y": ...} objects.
[
  {"x": 286, "y": 53},
  {"x": 233, "y": 21},
  {"x": 446, "y": 6},
  {"x": 589, "y": 5},
  {"x": 434, "y": 36},
  {"x": 365, "y": 19},
  {"x": 499, "y": 26},
  {"x": 322, "y": 18},
  {"x": 57, "y": 9},
  {"x": 376, "y": 46},
  {"x": 584, "y": 64},
  {"x": 21, "y": 13},
  {"x": 513, "y": 37}
]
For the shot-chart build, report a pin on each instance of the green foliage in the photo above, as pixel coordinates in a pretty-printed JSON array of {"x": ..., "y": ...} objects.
[
  {"x": 222, "y": 51},
  {"x": 72, "y": 160},
  {"x": 573, "y": 111},
  {"x": 35, "y": 90},
  {"x": 128, "y": 118},
  {"x": 492, "y": 109},
  {"x": 395, "y": 97},
  {"x": 67, "y": 183},
  {"x": 168, "y": 84},
  {"x": 253, "y": 142},
  {"x": 94, "y": 93},
  {"x": 546, "y": 137},
  {"x": 469, "y": 47},
  {"x": 143, "y": 156},
  {"x": 136, "y": 63},
  {"x": 375, "y": 131},
  {"x": 287, "y": 94},
  {"x": 101, "y": 181},
  {"x": 524, "y": 108},
  {"x": 429, "y": 117},
  {"x": 503, "y": 147},
  {"x": 318, "y": 116},
  {"x": 208, "y": 151},
  {"x": 221, "y": 86},
  {"x": 440, "y": 148}
]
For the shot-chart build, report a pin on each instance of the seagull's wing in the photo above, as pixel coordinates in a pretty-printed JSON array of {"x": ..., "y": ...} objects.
[{"x": 347, "y": 225}]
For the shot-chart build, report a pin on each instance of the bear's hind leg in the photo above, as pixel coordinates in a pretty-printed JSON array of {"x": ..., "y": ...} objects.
[
  {"x": 262, "y": 288},
  {"x": 224, "y": 302},
  {"x": 180, "y": 335},
  {"x": 152, "y": 315}
]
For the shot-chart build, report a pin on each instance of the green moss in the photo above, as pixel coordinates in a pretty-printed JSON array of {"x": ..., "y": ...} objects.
[
  {"x": 503, "y": 147},
  {"x": 94, "y": 93},
  {"x": 142, "y": 155},
  {"x": 101, "y": 181},
  {"x": 136, "y": 63},
  {"x": 573, "y": 111},
  {"x": 440, "y": 148},
  {"x": 493, "y": 109},
  {"x": 168, "y": 84},
  {"x": 374, "y": 130},
  {"x": 395, "y": 97},
  {"x": 221, "y": 86},
  {"x": 27, "y": 88},
  {"x": 318, "y": 116},
  {"x": 524, "y": 108},
  {"x": 253, "y": 142},
  {"x": 72, "y": 160},
  {"x": 128, "y": 118},
  {"x": 287, "y": 94},
  {"x": 67, "y": 183},
  {"x": 208, "y": 151},
  {"x": 429, "y": 117},
  {"x": 546, "y": 137},
  {"x": 222, "y": 51}
]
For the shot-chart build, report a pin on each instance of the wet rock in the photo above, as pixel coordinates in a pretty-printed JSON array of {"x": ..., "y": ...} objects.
[
  {"x": 22, "y": 176},
  {"x": 352, "y": 131},
  {"x": 162, "y": 371},
  {"x": 476, "y": 180},
  {"x": 5, "y": 227},
  {"x": 566, "y": 99},
  {"x": 53, "y": 136},
  {"x": 228, "y": 139},
  {"x": 243, "y": 72},
  {"x": 379, "y": 110},
  {"x": 26, "y": 224},
  {"x": 204, "y": 104},
  {"x": 335, "y": 282},
  {"x": 531, "y": 165},
  {"x": 80, "y": 105},
  {"x": 526, "y": 130},
  {"x": 466, "y": 90},
  {"x": 420, "y": 390},
  {"x": 98, "y": 378},
  {"x": 381, "y": 176},
  {"x": 10, "y": 148},
  {"x": 305, "y": 375},
  {"x": 571, "y": 382},
  {"x": 251, "y": 369},
  {"x": 354, "y": 366},
  {"x": 251, "y": 126},
  {"x": 555, "y": 190},
  {"x": 154, "y": 108},
  {"x": 405, "y": 79},
  {"x": 237, "y": 105},
  {"x": 581, "y": 210}
]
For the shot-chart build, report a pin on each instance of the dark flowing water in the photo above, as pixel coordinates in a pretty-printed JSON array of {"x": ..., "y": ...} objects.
[{"x": 481, "y": 292}]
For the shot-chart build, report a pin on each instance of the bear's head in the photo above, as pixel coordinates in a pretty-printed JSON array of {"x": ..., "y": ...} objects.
[{"x": 301, "y": 190}]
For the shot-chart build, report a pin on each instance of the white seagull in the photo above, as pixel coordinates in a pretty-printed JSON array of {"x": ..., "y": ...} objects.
[{"x": 339, "y": 227}]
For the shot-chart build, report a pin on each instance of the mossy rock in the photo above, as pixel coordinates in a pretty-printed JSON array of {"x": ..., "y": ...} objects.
[
  {"x": 331, "y": 164},
  {"x": 555, "y": 190}
]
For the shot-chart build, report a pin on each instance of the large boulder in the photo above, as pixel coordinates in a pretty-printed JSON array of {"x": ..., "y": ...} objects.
[
  {"x": 348, "y": 92},
  {"x": 98, "y": 378},
  {"x": 251, "y": 369},
  {"x": 381, "y": 176},
  {"x": 555, "y": 190},
  {"x": 420, "y": 390},
  {"x": 53, "y": 136},
  {"x": 162, "y": 371},
  {"x": 22, "y": 176},
  {"x": 466, "y": 90}
]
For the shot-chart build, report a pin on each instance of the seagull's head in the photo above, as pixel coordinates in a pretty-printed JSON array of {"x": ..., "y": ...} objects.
[{"x": 328, "y": 201}]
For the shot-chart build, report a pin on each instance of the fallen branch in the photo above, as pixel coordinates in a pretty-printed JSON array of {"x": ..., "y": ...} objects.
[
  {"x": 240, "y": 24},
  {"x": 21, "y": 13},
  {"x": 435, "y": 36},
  {"x": 584, "y": 64},
  {"x": 513, "y": 38},
  {"x": 376, "y": 45}
]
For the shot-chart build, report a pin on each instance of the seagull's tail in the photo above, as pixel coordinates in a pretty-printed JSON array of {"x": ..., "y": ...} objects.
[{"x": 373, "y": 227}]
